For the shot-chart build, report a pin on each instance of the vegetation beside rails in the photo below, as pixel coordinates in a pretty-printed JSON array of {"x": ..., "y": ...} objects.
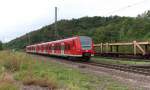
[
  {"x": 119, "y": 61},
  {"x": 19, "y": 68}
]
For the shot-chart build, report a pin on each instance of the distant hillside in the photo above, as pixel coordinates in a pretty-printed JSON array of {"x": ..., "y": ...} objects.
[{"x": 101, "y": 29}]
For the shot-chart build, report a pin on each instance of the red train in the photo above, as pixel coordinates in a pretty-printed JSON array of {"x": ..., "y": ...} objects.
[{"x": 78, "y": 47}]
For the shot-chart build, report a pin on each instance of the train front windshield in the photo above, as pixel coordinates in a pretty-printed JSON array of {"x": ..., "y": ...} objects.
[{"x": 86, "y": 42}]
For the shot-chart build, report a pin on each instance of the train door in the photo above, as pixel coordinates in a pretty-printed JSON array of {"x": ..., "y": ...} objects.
[
  {"x": 62, "y": 48},
  {"x": 52, "y": 48},
  {"x": 44, "y": 49}
]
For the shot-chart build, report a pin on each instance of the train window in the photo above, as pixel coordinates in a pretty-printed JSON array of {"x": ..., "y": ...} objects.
[
  {"x": 86, "y": 42},
  {"x": 49, "y": 48},
  {"x": 45, "y": 48},
  {"x": 55, "y": 47},
  {"x": 67, "y": 47},
  {"x": 59, "y": 47}
]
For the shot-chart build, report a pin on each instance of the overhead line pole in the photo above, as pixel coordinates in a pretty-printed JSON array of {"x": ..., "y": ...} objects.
[{"x": 56, "y": 32}]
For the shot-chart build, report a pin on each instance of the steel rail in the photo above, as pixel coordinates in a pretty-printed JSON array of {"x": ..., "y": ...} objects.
[{"x": 126, "y": 68}]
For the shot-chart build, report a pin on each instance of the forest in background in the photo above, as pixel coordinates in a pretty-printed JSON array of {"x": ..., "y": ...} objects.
[{"x": 100, "y": 29}]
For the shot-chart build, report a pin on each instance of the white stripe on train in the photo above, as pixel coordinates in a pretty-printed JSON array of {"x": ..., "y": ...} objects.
[{"x": 58, "y": 54}]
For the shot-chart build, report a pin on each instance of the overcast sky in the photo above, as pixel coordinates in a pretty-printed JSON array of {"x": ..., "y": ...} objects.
[{"x": 18, "y": 17}]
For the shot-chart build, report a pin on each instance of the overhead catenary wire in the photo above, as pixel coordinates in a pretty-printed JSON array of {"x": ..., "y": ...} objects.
[{"x": 126, "y": 7}]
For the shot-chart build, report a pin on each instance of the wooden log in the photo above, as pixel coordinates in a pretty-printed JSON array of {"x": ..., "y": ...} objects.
[
  {"x": 111, "y": 48},
  {"x": 146, "y": 48},
  {"x": 141, "y": 49},
  {"x": 134, "y": 46},
  {"x": 101, "y": 47},
  {"x": 125, "y": 44},
  {"x": 107, "y": 47},
  {"x": 117, "y": 48}
]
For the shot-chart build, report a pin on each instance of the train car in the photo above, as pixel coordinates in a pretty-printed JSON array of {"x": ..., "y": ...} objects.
[{"x": 78, "y": 47}]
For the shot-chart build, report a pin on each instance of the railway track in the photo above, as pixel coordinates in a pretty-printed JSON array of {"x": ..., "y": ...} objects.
[
  {"x": 127, "y": 68},
  {"x": 130, "y": 56}
]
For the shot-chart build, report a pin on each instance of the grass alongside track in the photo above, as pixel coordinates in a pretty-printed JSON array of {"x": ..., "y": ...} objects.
[
  {"x": 19, "y": 68},
  {"x": 119, "y": 61}
]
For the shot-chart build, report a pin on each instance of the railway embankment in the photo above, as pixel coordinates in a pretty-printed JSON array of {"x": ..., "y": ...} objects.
[
  {"x": 21, "y": 71},
  {"x": 134, "y": 79}
]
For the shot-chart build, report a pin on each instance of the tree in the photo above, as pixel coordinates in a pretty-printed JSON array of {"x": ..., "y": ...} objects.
[
  {"x": 1, "y": 45},
  {"x": 145, "y": 14}
]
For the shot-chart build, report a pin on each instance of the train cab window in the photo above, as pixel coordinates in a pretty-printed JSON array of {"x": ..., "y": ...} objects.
[{"x": 86, "y": 42}]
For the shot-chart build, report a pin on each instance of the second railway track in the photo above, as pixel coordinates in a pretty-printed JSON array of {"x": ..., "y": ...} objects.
[{"x": 127, "y": 68}]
